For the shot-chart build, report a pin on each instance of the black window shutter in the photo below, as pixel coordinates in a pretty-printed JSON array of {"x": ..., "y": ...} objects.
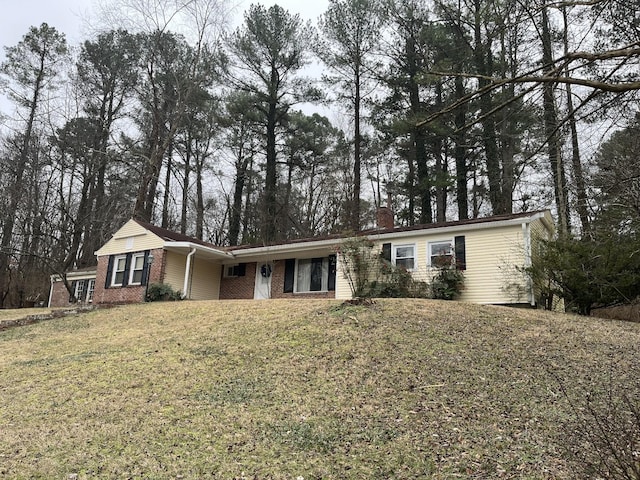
[
  {"x": 461, "y": 256},
  {"x": 289, "y": 272},
  {"x": 127, "y": 266},
  {"x": 242, "y": 269},
  {"x": 107, "y": 282},
  {"x": 73, "y": 291},
  {"x": 386, "y": 251},
  {"x": 145, "y": 268},
  {"x": 331, "y": 283}
]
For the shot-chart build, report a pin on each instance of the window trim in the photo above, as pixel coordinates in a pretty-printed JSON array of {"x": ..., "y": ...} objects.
[
  {"x": 117, "y": 259},
  {"x": 132, "y": 268},
  {"x": 452, "y": 246},
  {"x": 91, "y": 287},
  {"x": 394, "y": 256},
  {"x": 232, "y": 267},
  {"x": 79, "y": 291}
]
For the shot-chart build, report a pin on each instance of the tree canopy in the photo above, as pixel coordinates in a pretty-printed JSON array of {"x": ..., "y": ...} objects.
[{"x": 284, "y": 128}]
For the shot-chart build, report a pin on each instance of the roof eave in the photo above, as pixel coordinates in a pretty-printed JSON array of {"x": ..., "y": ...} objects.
[
  {"x": 208, "y": 251},
  {"x": 459, "y": 228}
]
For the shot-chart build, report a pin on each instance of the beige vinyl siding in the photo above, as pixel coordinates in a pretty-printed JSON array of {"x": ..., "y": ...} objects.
[
  {"x": 492, "y": 256},
  {"x": 493, "y": 259},
  {"x": 205, "y": 280},
  {"x": 130, "y": 238},
  {"x": 343, "y": 290},
  {"x": 174, "y": 270}
]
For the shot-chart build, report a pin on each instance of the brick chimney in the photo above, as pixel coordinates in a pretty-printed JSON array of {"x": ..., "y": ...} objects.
[{"x": 385, "y": 218}]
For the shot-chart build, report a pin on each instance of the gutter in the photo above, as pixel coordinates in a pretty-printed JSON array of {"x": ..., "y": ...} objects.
[{"x": 187, "y": 272}]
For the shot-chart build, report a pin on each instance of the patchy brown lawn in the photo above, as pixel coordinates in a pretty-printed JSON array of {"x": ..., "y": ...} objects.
[
  {"x": 287, "y": 389},
  {"x": 18, "y": 313}
]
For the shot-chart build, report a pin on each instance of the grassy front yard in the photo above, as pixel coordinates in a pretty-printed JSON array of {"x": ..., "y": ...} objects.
[{"x": 313, "y": 389}]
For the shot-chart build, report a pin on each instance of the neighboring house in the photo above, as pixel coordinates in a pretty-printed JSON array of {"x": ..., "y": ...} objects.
[
  {"x": 82, "y": 282},
  {"x": 491, "y": 251}
]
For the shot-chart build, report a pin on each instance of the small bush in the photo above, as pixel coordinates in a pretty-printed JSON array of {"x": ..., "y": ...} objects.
[
  {"x": 448, "y": 283},
  {"x": 360, "y": 265},
  {"x": 603, "y": 437},
  {"x": 161, "y": 292},
  {"x": 397, "y": 282}
]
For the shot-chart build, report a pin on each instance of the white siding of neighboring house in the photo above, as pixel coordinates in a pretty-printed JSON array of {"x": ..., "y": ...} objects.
[{"x": 131, "y": 238}]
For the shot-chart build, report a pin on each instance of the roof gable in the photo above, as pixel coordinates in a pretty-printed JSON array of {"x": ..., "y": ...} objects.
[
  {"x": 131, "y": 237},
  {"x": 172, "y": 236}
]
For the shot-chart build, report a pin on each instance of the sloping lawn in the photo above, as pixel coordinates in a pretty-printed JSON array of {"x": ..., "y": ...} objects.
[
  {"x": 304, "y": 389},
  {"x": 15, "y": 314}
]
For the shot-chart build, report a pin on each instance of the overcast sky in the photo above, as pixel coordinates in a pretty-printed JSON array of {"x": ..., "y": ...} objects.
[{"x": 67, "y": 16}]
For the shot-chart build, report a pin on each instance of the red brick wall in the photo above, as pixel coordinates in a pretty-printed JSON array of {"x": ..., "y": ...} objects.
[
  {"x": 235, "y": 288},
  {"x": 59, "y": 295},
  {"x": 128, "y": 294},
  {"x": 243, "y": 287}
]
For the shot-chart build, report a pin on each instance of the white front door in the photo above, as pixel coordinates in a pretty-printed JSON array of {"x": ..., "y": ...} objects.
[{"x": 262, "y": 288}]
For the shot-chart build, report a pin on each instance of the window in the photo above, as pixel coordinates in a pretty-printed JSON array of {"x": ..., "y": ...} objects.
[
  {"x": 90, "y": 288},
  {"x": 311, "y": 274},
  {"x": 79, "y": 293},
  {"x": 404, "y": 256},
  {"x": 129, "y": 269},
  {"x": 238, "y": 270},
  {"x": 119, "y": 267},
  {"x": 137, "y": 269},
  {"x": 440, "y": 253}
]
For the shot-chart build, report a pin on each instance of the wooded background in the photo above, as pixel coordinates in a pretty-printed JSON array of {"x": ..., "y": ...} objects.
[{"x": 445, "y": 109}]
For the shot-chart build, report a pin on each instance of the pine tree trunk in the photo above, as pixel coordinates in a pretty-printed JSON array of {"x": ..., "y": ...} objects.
[{"x": 551, "y": 132}]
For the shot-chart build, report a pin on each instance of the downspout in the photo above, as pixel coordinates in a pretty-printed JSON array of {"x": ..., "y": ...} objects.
[
  {"x": 187, "y": 273},
  {"x": 526, "y": 234}
]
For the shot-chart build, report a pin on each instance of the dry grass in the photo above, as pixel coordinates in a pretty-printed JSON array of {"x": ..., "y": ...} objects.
[
  {"x": 312, "y": 389},
  {"x": 15, "y": 314}
]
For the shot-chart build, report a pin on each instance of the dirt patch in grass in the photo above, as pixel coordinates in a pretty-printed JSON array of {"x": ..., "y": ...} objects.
[{"x": 312, "y": 389}]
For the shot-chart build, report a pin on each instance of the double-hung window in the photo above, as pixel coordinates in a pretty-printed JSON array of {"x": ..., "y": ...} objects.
[
  {"x": 404, "y": 256},
  {"x": 79, "y": 293},
  {"x": 137, "y": 269},
  {"x": 90, "y": 288},
  {"x": 129, "y": 269},
  {"x": 119, "y": 268},
  {"x": 441, "y": 253}
]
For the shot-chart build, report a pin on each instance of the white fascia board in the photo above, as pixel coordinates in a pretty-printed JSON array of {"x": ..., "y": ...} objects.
[
  {"x": 456, "y": 228},
  {"x": 287, "y": 248},
  {"x": 208, "y": 251},
  {"x": 84, "y": 275}
]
